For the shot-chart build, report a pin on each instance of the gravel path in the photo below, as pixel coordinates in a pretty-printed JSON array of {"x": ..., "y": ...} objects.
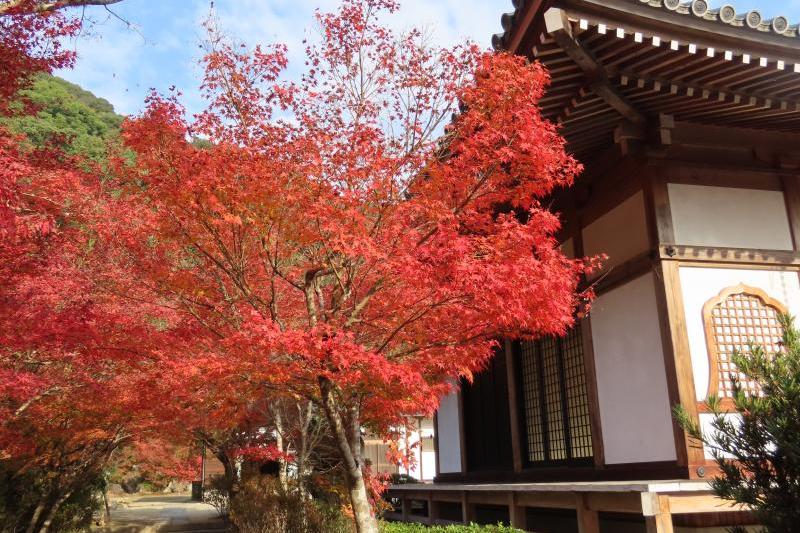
[{"x": 153, "y": 513}]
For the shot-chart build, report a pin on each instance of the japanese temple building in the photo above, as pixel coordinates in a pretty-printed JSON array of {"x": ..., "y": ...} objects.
[{"x": 687, "y": 120}]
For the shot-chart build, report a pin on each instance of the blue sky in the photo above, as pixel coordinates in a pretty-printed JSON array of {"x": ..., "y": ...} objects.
[{"x": 121, "y": 64}]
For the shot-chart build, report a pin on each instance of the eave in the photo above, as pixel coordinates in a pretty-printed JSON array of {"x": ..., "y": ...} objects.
[{"x": 622, "y": 67}]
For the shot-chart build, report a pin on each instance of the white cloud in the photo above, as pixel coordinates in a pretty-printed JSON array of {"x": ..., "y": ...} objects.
[
  {"x": 122, "y": 65},
  {"x": 106, "y": 63}
]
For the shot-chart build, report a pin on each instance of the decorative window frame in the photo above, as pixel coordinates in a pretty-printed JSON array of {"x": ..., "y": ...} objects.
[{"x": 711, "y": 342}]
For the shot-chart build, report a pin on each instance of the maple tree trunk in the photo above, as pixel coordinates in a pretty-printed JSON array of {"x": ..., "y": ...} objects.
[
  {"x": 231, "y": 477},
  {"x": 37, "y": 513},
  {"x": 279, "y": 444},
  {"x": 51, "y": 513},
  {"x": 106, "y": 508},
  {"x": 349, "y": 446}
]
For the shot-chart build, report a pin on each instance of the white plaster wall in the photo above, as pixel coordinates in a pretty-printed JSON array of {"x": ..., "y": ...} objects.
[
  {"x": 729, "y": 217},
  {"x": 701, "y": 284},
  {"x": 631, "y": 378},
  {"x": 706, "y": 420},
  {"x": 448, "y": 435},
  {"x": 425, "y": 459},
  {"x": 428, "y": 465},
  {"x": 621, "y": 233}
]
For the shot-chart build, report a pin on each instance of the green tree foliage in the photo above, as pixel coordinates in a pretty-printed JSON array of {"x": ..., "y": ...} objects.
[
  {"x": 758, "y": 450},
  {"x": 68, "y": 116},
  {"x": 21, "y": 491}
]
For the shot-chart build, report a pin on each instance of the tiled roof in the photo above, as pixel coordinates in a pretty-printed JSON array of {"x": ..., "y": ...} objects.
[{"x": 752, "y": 21}]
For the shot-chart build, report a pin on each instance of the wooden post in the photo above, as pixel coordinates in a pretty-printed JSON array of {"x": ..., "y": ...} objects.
[
  {"x": 406, "y": 508},
  {"x": 462, "y": 436},
  {"x": 658, "y": 516},
  {"x": 592, "y": 393},
  {"x": 659, "y": 524},
  {"x": 588, "y": 348},
  {"x": 467, "y": 514},
  {"x": 513, "y": 407},
  {"x": 431, "y": 514},
  {"x": 436, "y": 441},
  {"x": 516, "y": 512},
  {"x": 588, "y": 519},
  {"x": 791, "y": 195}
]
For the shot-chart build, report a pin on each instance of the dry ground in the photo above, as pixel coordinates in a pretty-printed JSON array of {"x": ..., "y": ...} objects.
[{"x": 151, "y": 513}]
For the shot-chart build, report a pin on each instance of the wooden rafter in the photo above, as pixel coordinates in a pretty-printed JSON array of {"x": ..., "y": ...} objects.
[{"x": 559, "y": 27}]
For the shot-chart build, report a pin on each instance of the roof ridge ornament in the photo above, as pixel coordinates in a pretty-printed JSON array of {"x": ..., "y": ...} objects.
[
  {"x": 780, "y": 24},
  {"x": 727, "y": 13},
  {"x": 699, "y": 8},
  {"x": 753, "y": 19}
]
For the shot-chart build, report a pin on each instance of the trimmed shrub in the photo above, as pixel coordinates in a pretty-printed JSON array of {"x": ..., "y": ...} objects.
[{"x": 264, "y": 506}]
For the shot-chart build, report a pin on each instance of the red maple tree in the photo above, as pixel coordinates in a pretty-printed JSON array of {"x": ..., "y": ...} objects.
[
  {"x": 74, "y": 370},
  {"x": 360, "y": 238}
]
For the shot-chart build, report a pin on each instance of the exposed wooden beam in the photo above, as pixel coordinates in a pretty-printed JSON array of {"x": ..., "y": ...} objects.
[
  {"x": 730, "y": 256},
  {"x": 701, "y": 503},
  {"x": 558, "y": 26}
]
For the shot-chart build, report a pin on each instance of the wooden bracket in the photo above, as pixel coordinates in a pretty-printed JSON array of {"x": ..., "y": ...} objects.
[
  {"x": 629, "y": 136},
  {"x": 666, "y": 123}
]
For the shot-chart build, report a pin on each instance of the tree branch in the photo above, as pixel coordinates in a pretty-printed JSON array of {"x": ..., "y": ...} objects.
[{"x": 24, "y": 6}]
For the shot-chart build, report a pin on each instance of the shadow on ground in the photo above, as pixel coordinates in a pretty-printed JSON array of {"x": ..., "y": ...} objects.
[{"x": 173, "y": 513}]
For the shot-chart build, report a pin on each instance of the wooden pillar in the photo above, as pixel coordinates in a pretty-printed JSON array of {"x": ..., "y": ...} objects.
[
  {"x": 516, "y": 513},
  {"x": 431, "y": 514},
  {"x": 592, "y": 392},
  {"x": 791, "y": 195},
  {"x": 661, "y": 523},
  {"x": 436, "y": 442},
  {"x": 462, "y": 435},
  {"x": 674, "y": 337},
  {"x": 513, "y": 407},
  {"x": 467, "y": 510},
  {"x": 406, "y": 508},
  {"x": 588, "y": 519},
  {"x": 658, "y": 516},
  {"x": 588, "y": 346}
]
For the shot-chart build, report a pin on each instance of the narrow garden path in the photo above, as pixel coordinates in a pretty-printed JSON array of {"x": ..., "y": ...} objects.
[{"x": 152, "y": 513}]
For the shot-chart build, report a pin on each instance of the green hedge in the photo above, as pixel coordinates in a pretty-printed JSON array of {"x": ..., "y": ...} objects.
[{"x": 398, "y": 527}]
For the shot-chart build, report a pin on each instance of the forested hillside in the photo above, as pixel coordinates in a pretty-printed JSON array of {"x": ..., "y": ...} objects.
[{"x": 67, "y": 115}]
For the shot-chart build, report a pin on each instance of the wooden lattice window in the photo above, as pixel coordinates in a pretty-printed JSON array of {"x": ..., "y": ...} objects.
[
  {"x": 554, "y": 399},
  {"x": 734, "y": 319}
]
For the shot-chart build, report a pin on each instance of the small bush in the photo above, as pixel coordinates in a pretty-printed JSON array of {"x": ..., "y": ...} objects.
[
  {"x": 217, "y": 495},
  {"x": 264, "y": 506},
  {"x": 398, "y": 527}
]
